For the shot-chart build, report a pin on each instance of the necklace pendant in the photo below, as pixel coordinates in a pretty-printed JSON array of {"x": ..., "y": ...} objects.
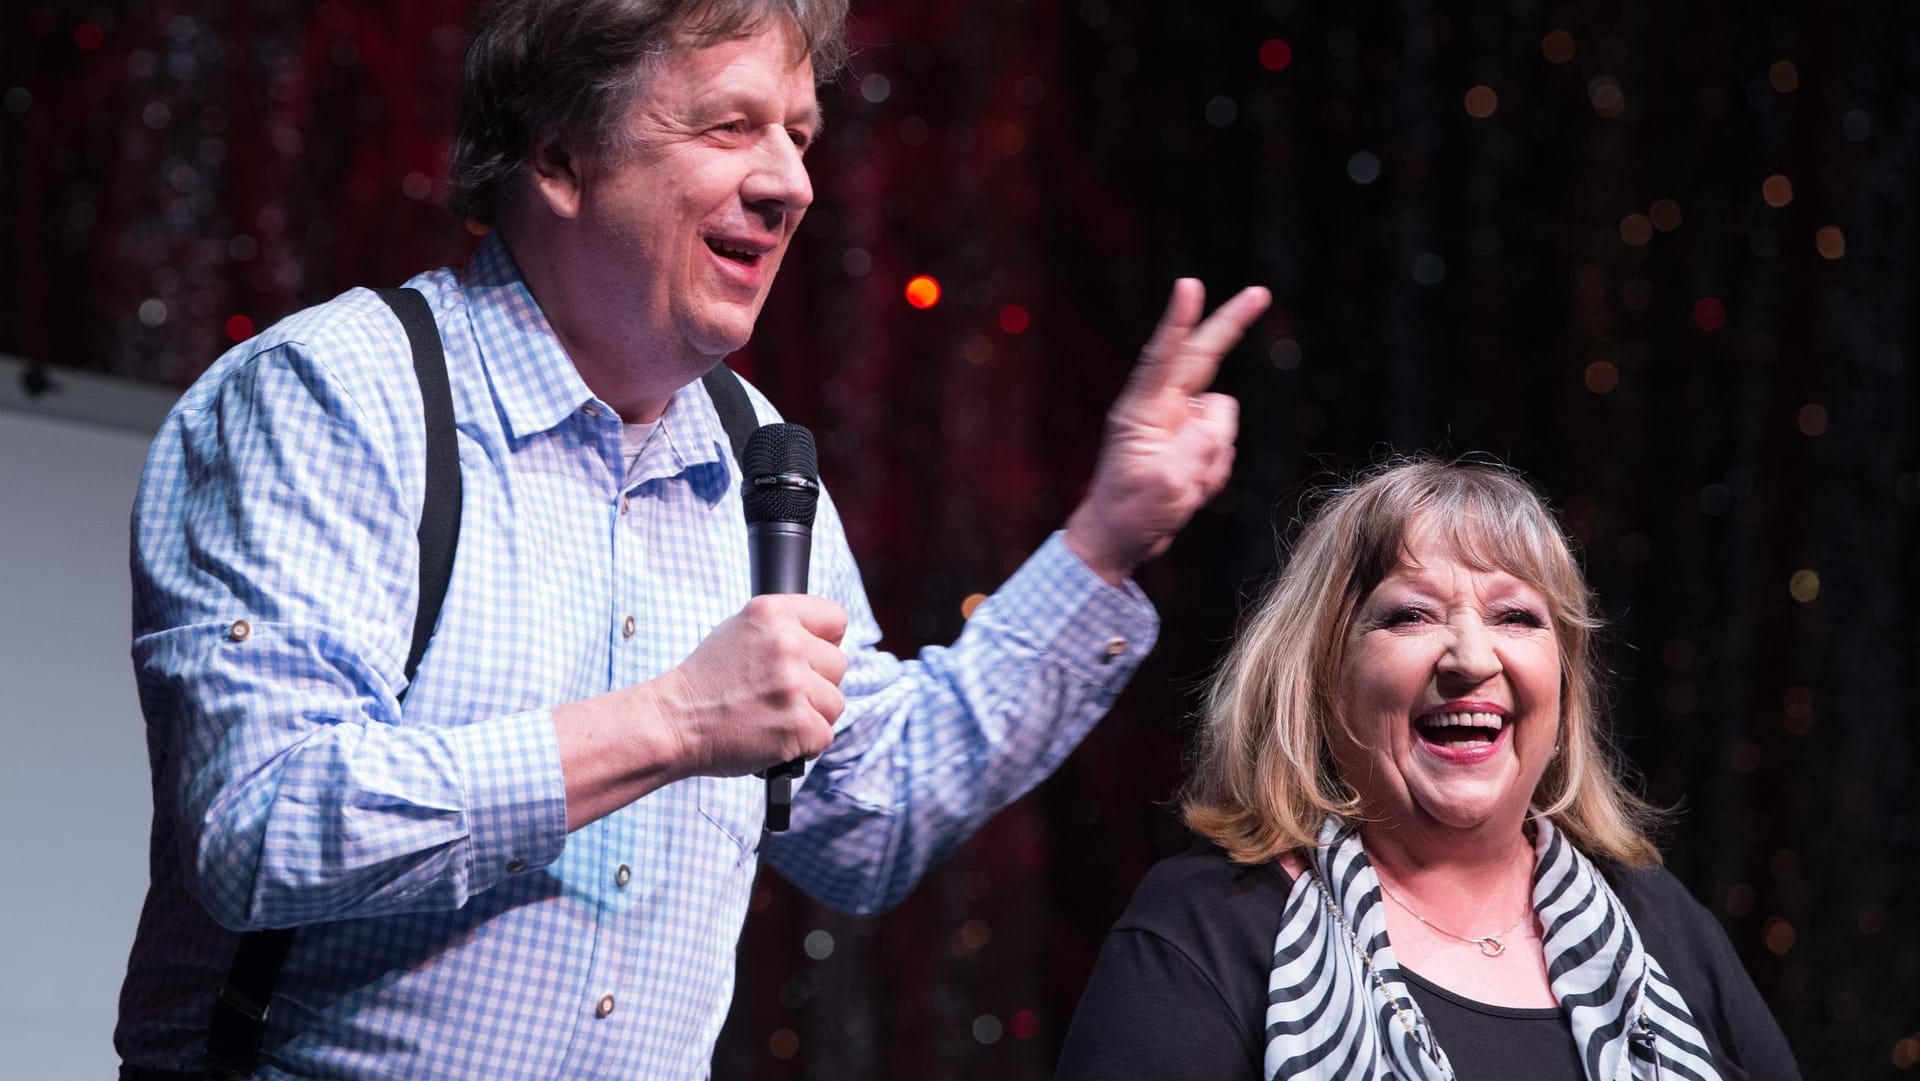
[{"x": 1491, "y": 946}]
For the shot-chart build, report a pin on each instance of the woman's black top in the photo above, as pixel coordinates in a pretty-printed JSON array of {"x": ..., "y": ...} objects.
[{"x": 1180, "y": 988}]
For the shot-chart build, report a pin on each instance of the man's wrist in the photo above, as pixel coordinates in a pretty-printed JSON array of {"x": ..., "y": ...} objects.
[
  {"x": 1087, "y": 542},
  {"x": 650, "y": 724}
]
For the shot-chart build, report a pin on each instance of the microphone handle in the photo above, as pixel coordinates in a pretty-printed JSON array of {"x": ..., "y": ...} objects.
[{"x": 777, "y": 557}]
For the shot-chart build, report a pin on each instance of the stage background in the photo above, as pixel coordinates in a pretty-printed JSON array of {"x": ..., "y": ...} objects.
[{"x": 1658, "y": 256}]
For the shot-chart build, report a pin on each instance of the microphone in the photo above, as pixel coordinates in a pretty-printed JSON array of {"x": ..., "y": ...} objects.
[{"x": 780, "y": 487}]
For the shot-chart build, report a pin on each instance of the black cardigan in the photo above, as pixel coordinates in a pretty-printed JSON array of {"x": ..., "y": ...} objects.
[{"x": 1180, "y": 987}]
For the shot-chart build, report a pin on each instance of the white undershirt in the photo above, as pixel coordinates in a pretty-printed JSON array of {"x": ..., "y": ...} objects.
[{"x": 633, "y": 439}]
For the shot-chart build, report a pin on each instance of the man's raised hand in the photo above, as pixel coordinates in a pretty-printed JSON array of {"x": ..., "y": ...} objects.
[{"x": 1169, "y": 442}]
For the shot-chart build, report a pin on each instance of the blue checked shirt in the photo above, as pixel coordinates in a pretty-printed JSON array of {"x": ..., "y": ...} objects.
[{"x": 451, "y": 927}]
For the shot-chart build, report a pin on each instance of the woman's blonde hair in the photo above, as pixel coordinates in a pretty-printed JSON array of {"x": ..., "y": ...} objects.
[{"x": 1263, "y": 776}]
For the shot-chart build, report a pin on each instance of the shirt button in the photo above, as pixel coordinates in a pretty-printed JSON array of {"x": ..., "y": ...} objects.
[
  {"x": 1115, "y": 647},
  {"x": 239, "y": 631},
  {"x": 626, "y": 504},
  {"x": 590, "y": 409},
  {"x": 514, "y": 867},
  {"x": 626, "y": 627},
  {"x": 623, "y": 876},
  {"x": 605, "y": 1007}
]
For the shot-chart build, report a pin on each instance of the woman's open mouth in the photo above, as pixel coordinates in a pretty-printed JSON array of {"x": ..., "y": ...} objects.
[{"x": 1461, "y": 736}]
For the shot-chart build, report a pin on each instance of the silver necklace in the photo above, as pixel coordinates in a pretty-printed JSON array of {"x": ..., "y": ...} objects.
[
  {"x": 1421, "y": 1039},
  {"x": 1490, "y": 945}
]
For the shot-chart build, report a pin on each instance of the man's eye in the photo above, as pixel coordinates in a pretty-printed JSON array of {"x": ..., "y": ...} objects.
[{"x": 801, "y": 140}]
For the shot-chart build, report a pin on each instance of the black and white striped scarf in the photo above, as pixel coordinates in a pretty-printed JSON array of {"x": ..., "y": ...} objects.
[{"x": 1329, "y": 1018}]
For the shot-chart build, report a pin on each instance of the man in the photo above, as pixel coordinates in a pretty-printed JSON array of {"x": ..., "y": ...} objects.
[{"x": 540, "y": 866}]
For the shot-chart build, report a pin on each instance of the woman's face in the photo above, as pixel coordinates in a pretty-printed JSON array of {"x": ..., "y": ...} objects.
[{"x": 1450, "y": 690}]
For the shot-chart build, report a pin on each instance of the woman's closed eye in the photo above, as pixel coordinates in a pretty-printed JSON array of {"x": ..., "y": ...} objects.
[
  {"x": 1519, "y": 617},
  {"x": 1402, "y": 615}
]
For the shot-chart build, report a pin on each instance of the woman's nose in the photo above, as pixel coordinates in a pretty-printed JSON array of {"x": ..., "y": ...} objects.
[{"x": 1469, "y": 656}]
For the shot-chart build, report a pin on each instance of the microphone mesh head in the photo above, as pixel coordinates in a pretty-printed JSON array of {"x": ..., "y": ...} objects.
[{"x": 777, "y": 451}]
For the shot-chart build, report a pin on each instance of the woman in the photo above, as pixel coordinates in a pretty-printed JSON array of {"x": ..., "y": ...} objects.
[{"x": 1418, "y": 860}]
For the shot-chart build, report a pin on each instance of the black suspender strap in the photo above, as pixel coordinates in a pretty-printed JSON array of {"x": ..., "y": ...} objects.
[
  {"x": 440, "y": 514},
  {"x": 240, "y": 1009},
  {"x": 730, "y": 401}
]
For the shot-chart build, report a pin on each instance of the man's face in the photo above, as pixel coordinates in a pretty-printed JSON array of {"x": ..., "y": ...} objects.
[{"x": 685, "y": 226}]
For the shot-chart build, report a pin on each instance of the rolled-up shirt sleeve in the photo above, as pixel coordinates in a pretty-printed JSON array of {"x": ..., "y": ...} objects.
[
  {"x": 929, "y": 748},
  {"x": 275, "y": 573}
]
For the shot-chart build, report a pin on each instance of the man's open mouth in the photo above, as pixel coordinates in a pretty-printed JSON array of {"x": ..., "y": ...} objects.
[{"x": 735, "y": 251}]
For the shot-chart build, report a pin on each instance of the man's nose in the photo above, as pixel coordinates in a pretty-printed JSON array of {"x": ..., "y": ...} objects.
[{"x": 779, "y": 182}]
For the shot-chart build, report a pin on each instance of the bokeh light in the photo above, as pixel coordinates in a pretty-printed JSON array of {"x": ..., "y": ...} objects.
[
  {"x": 1275, "y": 54},
  {"x": 986, "y": 1028},
  {"x": 1481, "y": 102},
  {"x": 1606, "y": 97},
  {"x": 1906, "y": 1052},
  {"x": 1780, "y": 936},
  {"x": 1804, "y": 586},
  {"x": 1602, "y": 377},
  {"x": 1812, "y": 419},
  {"x": 1709, "y": 313},
  {"x": 1783, "y": 76},
  {"x": 923, "y": 291}
]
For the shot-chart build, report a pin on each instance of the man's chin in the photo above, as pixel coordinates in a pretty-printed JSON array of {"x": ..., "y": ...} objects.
[{"x": 717, "y": 337}]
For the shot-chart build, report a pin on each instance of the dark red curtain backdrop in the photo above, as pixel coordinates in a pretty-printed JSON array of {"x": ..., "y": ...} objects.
[{"x": 1660, "y": 256}]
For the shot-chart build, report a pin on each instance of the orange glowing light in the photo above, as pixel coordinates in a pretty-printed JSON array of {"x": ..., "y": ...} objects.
[
  {"x": 1602, "y": 377},
  {"x": 1830, "y": 242},
  {"x": 923, "y": 291},
  {"x": 1780, "y": 936},
  {"x": 1783, "y": 76},
  {"x": 1482, "y": 102}
]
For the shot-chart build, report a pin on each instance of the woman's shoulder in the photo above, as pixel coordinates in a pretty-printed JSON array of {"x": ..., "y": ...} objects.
[
  {"x": 1203, "y": 884},
  {"x": 1694, "y": 950},
  {"x": 1653, "y": 893},
  {"x": 1221, "y": 914},
  {"x": 1180, "y": 988}
]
